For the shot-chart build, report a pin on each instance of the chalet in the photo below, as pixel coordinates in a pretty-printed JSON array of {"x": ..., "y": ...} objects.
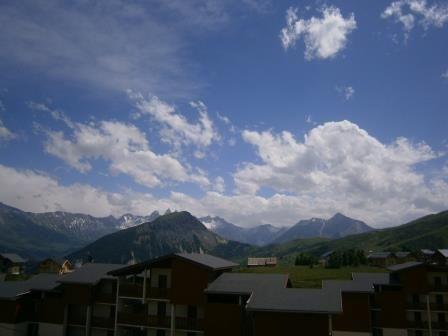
[
  {"x": 256, "y": 262},
  {"x": 11, "y": 263},
  {"x": 381, "y": 259},
  {"x": 324, "y": 258},
  {"x": 424, "y": 255},
  {"x": 403, "y": 257},
  {"x": 55, "y": 265},
  {"x": 440, "y": 257}
]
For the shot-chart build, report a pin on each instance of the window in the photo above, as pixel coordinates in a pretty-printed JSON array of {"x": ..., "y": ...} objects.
[
  {"x": 192, "y": 312},
  {"x": 160, "y": 332},
  {"x": 163, "y": 281},
  {"x": 418, "y": 333},
  {"x": 438, "y": 281},
  {"x": 417, "y": 316},
  {"x": 442, "y": 333},
  {"x": 439, "y": 299},
  {"x": 441, "y": 317},
  {"x": 415, "y": 298},
  {"x": 161, "y": 309}
]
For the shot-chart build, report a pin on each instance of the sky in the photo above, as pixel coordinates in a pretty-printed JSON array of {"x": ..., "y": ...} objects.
[{"x": 257, "y": 111}]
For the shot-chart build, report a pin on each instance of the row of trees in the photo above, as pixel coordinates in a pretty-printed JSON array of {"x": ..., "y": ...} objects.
[{"x": 350, "y": 257}]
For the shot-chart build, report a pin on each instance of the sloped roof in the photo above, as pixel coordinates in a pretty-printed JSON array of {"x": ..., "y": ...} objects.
[
  {"x": 443, "y": 252},
  {"x": 427, "y": 252},
  {"x": 246, "y": 283},
  {"x": 39, "y": 282},
  {"x": 296, "y": 300},
  {"x": 354, "y": 286},
  {"x": 203, "y": 260},
  {"x": 89, "y": 274},
  {"x": 374, "y": 278},
  {"x": 404, "y": 266},
  {"x": 327, "y": 254},
  {"x": 402, "y": 254},
  {"x": 13, "y": 257},
  {"x": 379, "y": 255}
]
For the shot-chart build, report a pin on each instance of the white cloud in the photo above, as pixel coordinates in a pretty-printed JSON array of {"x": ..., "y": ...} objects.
[
  {"x": 444, "y": 74},
  {"x": 220, "y": 185},
  {"x": 126, "y": 149},
  {"x": 340, "y": 167},
  {"x": 5, "y": 134},
  {"x": 347, "y": 92},
  {"x": 324, "y": 37},
  {"x": 176, "y": 129},
  {"x": 410, "y": 12}
]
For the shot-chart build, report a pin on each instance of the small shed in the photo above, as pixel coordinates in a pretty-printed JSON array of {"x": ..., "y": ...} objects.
[{"x": 255, "y": 262}]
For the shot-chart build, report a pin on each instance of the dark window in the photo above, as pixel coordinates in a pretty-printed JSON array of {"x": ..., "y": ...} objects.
[
  {"x": 437, "y": 281},
  {"x": 439, "y": 299},
  {"x": 441, "y": 317},
  {"x": 442, "y": 333},
  {"x": 191, "y": 334},
  {"x": 160, "y": 332},
  {"x": 192, "y": 312},
  {"x": 216, "y": 298},
  {"x": 415, "y": 298},
  {"x": 377, "y": 332},
  {"x": 418, "y": 333},
  {"x": 161, "y": 309},
  {"x": 33, "y": 329},
  {"x": 417, "y": 316},
  {"x": 163, "y": 281}
]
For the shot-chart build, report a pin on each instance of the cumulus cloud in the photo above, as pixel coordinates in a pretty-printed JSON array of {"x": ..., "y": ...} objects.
[
  {"x": 347, "y": 92},
  {"x": 340, "y": 166},
  {"x": 412, "y": 12},
  {"x": 324, "y": 37},
  {"x": 176, "y": 129},
  {"x": 5, "y": 134},
  {"x": 126, "y": 149}
]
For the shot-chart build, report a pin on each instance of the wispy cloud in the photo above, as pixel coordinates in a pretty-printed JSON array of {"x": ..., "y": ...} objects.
[{"x": 347, "y": 92}]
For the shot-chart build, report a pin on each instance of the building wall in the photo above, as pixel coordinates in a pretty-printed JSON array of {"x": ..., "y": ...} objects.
[
  {"x": 355, "y": 315},
  {"x": 285, "y": 324},
  {"x": 222, "y": 319},
  {"x": 188, "y": 283},
  {"x": 154, "y": 275},
  {"x": 9, "y": 329},
  {"x": 394, "y": 332},
  {"x": 49, "y": 329},
  {"x": 350, "y": 333}
]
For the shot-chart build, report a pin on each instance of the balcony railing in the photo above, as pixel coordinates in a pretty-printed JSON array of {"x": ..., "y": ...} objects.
[
  {"x": 418, "y": 324},
  {"x": 439, "y": 307},
  {"x": 158, "y": 293},
  {"x": 416, "y": 305},
  {"x": 189, "y": 323},
  {"x": 136, "y": 291},
  {"x": 144, "y": 320},
  {"x": 439, "y": 288},
  {"x": 103, "y": 322},
  {"x": 439, "y": 325},
  {"x": 76, "y": 319}
]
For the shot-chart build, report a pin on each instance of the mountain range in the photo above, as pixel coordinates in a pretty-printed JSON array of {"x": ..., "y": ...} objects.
[{"x": 336, "y": 227}]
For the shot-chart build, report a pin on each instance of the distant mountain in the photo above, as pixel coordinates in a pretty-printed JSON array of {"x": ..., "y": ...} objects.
[
  {"x": 52, "y": 233},
  {"x": 172, "y": 232},
  {"x": 336, "y": 227},
  {"x": 258, "y": 235},
  {"x": 426, "y": 232}
]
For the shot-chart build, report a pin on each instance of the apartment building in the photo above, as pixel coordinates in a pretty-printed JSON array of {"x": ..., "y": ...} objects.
[{"x": 197, "y": 294}]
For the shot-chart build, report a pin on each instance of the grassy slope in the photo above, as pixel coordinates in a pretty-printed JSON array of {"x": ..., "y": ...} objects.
[{"x": 303, "y": 276}]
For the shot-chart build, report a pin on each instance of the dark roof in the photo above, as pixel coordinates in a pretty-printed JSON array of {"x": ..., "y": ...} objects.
[
  {"x": 402, "y": 254},
  {"x": 404, "y": 266},
  {"x": 246, "y": 283},
  {"x": 375, "y": 278},
  {"x": 296, "y": 300},
  {"x": 427, "y": 252},
  {"x": 203, "y": 260},
  {"x": 379, "y": 255},
  {"x": 327, "y": 254},
  {"x": 90, "y": 274},
  {"x": 13, "y": 257},
  {"x": 39, "y": 282},
  {"x": 360, "y": 286}
]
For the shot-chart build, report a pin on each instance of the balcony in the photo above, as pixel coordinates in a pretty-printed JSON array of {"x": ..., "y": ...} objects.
[
  {"x": 108, "y": 298},
  {"x": 189, "y": 323},
  {"x": 439, "y": 287},
  {"x": 418, "y": 324},
  {"x": 158, "y": 293},
  {"x": 439, "y": 325},
  {"x": 144, "y": 320},
  {"x": 131, "y": 290},
  {"x": 103, "y": 322},
  {"x": 438, "y": 306},
  {"x": 76, "y": 319},
  {"x": 416, "y": 306}
]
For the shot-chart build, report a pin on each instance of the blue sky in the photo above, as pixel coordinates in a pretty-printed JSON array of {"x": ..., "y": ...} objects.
[{"x": 255, "y": 110}]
